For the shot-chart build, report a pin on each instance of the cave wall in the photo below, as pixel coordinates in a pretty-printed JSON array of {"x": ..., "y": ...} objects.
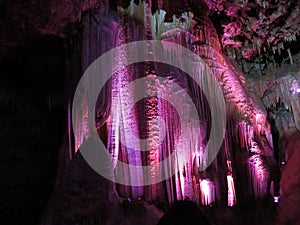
[
  {"x": 33, "y": 122},
  {"x": 289, "y": 199}
]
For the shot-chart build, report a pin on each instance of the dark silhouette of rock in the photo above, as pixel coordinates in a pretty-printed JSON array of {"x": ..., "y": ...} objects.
[
  {"x": 289, "y": 205},
  {"x": 184, "y": 213}
]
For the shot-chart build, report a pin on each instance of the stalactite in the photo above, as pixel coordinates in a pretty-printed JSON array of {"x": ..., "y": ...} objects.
[
  {"x": 231, "y": 191},
  {"x": 290, "y": 56},
  {"x": 152, "y": 111},
  {"x": 281, "y": 90},
  {"x": 96, "y": 32},
  {"x": 128, "y": 117},
  {"x": 81, "y": 129}
]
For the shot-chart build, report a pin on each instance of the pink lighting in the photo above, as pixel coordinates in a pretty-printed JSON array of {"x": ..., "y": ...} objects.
[
  {"x": 154, "y": 124},
  {"x": 207, "y": 189},
  {"x": 259, "y": 118},
  {"x": 276, "y": 199},
  {"x": 295, "y": 88},
  {"x": 231, "y": 191}
]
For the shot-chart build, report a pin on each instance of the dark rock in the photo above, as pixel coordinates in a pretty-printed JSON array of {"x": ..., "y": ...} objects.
[{"x": 183, "y": 213}]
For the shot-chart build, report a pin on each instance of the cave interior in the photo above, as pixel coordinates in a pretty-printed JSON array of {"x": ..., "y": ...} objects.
[{"x": 220, "y": 146}]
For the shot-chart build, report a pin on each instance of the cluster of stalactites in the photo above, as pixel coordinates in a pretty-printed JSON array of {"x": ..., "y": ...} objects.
[
  {"x": 282, "y": 96},
  {"x": 203, "y": 41},
  {"x": 258, "y": 28}
]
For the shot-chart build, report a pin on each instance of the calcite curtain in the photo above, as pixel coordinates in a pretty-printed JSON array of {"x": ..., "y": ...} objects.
[{"x": 247, "y": 146}]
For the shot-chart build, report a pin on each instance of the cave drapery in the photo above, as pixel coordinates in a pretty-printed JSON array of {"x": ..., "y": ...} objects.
[{"x": 247, "y": 148}]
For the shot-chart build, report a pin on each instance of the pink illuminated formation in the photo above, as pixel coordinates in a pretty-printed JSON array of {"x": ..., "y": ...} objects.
[
  {"x": 231, "y": 191},
  {"x": 207, "y": 189},
  {"x": 123, "y": 119}
]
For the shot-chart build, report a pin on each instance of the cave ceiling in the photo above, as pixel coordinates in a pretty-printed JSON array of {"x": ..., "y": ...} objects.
[{"x": 256, "y": 29}]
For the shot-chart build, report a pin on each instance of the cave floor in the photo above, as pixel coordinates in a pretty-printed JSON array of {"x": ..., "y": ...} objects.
[{"x": 259, "y": 214}]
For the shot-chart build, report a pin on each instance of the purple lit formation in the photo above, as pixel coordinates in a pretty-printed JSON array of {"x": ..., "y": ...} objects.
[{"x": 247, "y": 140}]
